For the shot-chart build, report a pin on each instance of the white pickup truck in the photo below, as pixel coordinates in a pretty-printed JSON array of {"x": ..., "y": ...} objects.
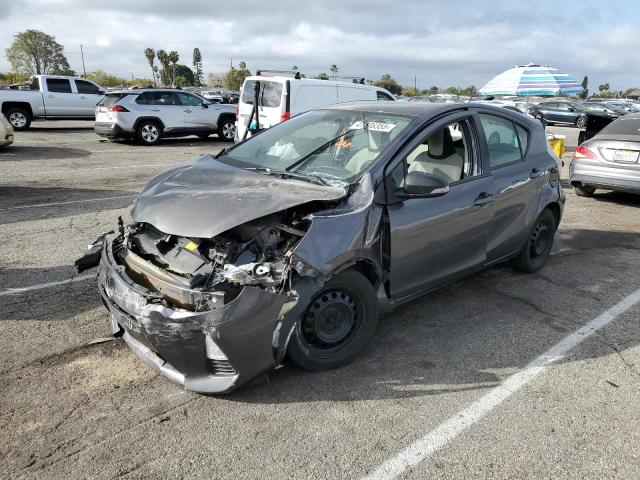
[{"x": 51, "y": 97}]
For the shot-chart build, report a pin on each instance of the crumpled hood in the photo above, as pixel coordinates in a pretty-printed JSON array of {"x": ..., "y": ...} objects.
[{"x": 206, "y": 197}]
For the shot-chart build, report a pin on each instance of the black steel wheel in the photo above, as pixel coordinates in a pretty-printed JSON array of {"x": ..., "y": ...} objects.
[
  {"x": 538, "y": 247},
  {"x": 339, "y": 321}
]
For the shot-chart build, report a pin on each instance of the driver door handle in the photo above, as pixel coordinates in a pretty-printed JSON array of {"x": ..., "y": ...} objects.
[
  {"x": 155, "y": 109},
  {"x": 187, "y": 111},
  {"x": 483, "y": 199}
]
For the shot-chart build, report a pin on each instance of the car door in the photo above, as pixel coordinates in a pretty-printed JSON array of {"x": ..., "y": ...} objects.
[
  {"x": 550, "y": 111},
  {"x": 164, "y": 105},
  {"x": 88, "y": 97},
  {"x": 566, "y": 113},
  {"x": 517, "y": 184},
  {"x": 59, "y": 99},
  {"x": 434, "y": 240},
  {"x": 198, "y": 116}
]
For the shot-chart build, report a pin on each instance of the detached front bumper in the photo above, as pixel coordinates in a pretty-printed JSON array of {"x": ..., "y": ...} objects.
[{"x": 208, "y": 352}]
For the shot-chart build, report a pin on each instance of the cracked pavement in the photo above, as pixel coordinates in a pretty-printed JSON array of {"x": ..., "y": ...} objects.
[{"x": 71, "y": 409}]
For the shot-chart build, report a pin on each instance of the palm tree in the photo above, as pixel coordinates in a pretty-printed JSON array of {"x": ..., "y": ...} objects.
[
  {"x": 173, "y": 58},
  {"x": 163, "y": 58},
  {"x": 334, "y": 70},
  {"x": 151, "y": 56}
]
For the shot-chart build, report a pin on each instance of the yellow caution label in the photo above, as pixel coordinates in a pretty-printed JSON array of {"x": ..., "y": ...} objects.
[{"x": 191, "y": 246}]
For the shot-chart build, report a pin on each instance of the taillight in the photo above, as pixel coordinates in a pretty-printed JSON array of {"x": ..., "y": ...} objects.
[
  {"x": 116, "y": 108},
  {"x": 584, "y": 152},
  {"x": 285, "y": 116}
]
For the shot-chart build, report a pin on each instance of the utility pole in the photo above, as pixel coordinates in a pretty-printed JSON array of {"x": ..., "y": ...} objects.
[
  {"x": 415, "y": 82},
  {"x": 231, "y": 62},
  {"x": 82, "y": 55}
]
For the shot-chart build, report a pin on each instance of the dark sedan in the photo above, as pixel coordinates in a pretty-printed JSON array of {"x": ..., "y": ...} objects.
[
  {"x": 290, "y": 244},
  {"x": 565, "y": 112}
]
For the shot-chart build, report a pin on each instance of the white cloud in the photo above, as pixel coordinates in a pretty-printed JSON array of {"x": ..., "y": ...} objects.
[{"x": 442, "y": 43}]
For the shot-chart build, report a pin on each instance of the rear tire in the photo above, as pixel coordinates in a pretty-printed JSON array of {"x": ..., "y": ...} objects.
[
  {"x": 148, "y": 133},
  {"x": 539, "y": 243},
  {"x": 19, "y": 118},
  {"x": 227, "y": 129},
  {"x": 584, "y": 190},
  {"x": 337, "y": 325}
]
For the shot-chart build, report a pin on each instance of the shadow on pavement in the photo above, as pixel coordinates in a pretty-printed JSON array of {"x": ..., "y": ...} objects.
[
  {"x": 17, "y": 153},
  {"x": 35, "y": 200}
]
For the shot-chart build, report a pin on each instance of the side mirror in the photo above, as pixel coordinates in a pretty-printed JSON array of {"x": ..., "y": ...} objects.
[
  {"x": 101, "y": 92},
  {"x": 205, "y": 104},
  {"x": 421, "y": 184},
  {"x": 571, "y": 109}
]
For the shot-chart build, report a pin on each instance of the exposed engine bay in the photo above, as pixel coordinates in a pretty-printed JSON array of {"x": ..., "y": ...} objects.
[{"x": 257, "y": 253}]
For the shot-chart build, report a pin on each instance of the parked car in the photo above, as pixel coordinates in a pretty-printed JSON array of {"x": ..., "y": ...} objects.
[
  {"x": 610, "y": 160},
  {"x": 567, "y": 112},
  {"x": 293, "y": 241},
  {"x": 619, "y": 105},
  {"x": 51, "y": 97},
  {"x": 150, "y": 114},
  {"x": 6, "y": 132},
  {"x": 280, "y": 98}
]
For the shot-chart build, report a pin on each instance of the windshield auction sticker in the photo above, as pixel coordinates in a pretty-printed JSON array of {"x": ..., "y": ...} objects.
[{"x": 374, "y": 126}]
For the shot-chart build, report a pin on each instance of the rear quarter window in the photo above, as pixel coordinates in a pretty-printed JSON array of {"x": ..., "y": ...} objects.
[{"x": 111, "y": 99}]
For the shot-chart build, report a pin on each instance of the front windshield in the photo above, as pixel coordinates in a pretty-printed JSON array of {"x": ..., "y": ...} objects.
[{"x": 334, "y": 145}]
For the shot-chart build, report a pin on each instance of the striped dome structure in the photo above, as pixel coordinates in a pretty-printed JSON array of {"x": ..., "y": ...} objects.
[{"x": 530, "y": 80}]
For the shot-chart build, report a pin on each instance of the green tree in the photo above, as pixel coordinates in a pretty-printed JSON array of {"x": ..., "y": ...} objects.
[
  {"x": 197, "y": 67},
  {"x": 388, "y": 83},
  {"x": 173, "y": 58},
  {"x": 163, "y": 58},
  {"x": 106, "y": 79},
  {"x": 603, "y": 87},
  {"x": 151, "y": 56},
  {"x": 410, "y": 92},
  {"x": 188, "y": 77},
  {"x": 585, "y": 86},
  {"x": 37, "y": 53},
  {"x": 235, "y": 76},
  {"x": 322, "y": 76},
  {"x": 470, "y": 91},
  {"x": 334, "y": 70},
  {"x": 452, "y": 91}
]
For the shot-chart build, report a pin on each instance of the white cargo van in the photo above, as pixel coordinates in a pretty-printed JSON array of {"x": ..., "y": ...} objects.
[{"x": 280, "y": 98}]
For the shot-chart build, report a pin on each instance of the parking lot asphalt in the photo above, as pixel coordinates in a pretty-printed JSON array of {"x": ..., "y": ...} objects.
[{"x": 75, "y": 405}]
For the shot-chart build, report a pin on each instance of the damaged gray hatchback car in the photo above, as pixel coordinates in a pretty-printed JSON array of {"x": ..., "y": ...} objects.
[{"x": 291, "y": 243}]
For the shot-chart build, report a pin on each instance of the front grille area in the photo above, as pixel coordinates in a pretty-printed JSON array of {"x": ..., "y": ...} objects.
[{"x": 220, "y": 367}]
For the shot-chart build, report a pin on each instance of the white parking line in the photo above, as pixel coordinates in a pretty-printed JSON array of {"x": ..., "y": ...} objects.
[
  {"x": 17, "y": 291},
  {"x": 20, "y": 207},
  {"x": 454, "y": 426}
]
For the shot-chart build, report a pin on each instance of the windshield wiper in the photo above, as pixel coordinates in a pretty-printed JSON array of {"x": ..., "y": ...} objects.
[{"x": 286, "y": 174}]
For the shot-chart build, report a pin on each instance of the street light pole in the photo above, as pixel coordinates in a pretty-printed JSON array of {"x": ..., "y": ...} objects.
[{"x": 82, "y": 55}]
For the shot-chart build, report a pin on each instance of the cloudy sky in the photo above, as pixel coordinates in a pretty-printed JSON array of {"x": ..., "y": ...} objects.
[{"x": 442, "y": 43}]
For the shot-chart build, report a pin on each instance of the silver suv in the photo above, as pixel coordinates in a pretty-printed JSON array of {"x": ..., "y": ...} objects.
[{"x": 150, "y": 114}]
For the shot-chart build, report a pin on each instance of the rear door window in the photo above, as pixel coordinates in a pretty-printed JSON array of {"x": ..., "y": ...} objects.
[
  {"x": 86, "y": 87},
  {"x": 383, "y": 96},
  {"x": 158, "y": 98},
  {"x": 502, "y": 140},
  {"x": 58, "y": 85},
  {"x": 270, "y": 94}
]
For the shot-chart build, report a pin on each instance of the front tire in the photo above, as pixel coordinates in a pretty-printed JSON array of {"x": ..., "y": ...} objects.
[
  {"x": 19, "y": 118},
  {"x": 581, "y": 122},
  {"x": 338, "y": 323},
  {"x": 148, "y": 133},
  {"x": 584, "y": 190},
  {"x": 227, "y": 129},
  {"x": 539, "y": 243}
]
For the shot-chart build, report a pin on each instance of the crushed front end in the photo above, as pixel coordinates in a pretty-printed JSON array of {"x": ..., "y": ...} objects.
[{"x": 206, "y": 313}]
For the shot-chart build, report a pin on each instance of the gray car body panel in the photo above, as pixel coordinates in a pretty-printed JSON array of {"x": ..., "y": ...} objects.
[
  {"x": 406, "y": 248},
  {"x": 206, "y": 197}
]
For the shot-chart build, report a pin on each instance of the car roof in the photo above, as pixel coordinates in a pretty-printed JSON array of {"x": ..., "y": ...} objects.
[
  {"x": 137, "y": 91},
  {"x": 414, "y": 109}
]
